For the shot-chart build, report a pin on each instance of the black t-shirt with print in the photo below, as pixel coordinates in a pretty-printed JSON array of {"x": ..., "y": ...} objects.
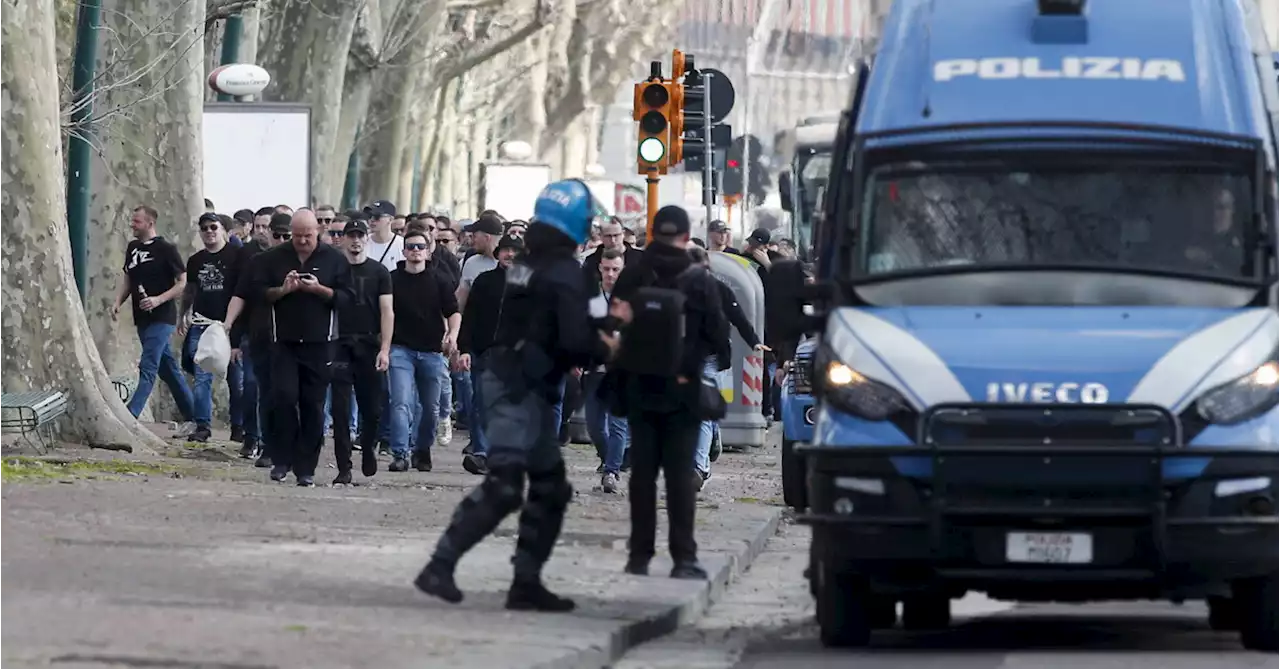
[
  {"x": 214, "y": 277},
  {"x": 362, "y": 316},
  {"x": 152, "y": 266}
]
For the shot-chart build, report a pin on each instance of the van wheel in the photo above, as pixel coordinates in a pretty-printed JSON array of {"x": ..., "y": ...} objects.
[
  {"x": 1223, "y": 614},
  {"x": 842, "y": 608},
  {"x": 794, "y": 493},
  {"x": 926, "y": 612},
  {"x": 1255, "y": 600}
]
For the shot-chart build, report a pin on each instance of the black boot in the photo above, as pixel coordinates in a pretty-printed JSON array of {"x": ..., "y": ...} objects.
[
  {"x": 534, "y": 596},
  {"x": 436, "y": 580}
]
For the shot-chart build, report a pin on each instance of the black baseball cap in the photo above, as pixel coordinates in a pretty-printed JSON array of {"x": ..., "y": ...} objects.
[
  {"x": 356, "y": 225},
  {"x": 209, "y": 217},
  {"x": 759, "y": 236},
  {"x": 718, "y": 226},
  {"x": 671, "y": 221},
  {"x": 509, "y": 242},
  {"x": 281, "y": 222},
  {"x": 379, "y": 208},
  {"x": 488, "y": 224}
]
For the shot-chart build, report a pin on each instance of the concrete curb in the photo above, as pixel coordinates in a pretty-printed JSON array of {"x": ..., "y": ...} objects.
[{"x": 633, "y": 634}]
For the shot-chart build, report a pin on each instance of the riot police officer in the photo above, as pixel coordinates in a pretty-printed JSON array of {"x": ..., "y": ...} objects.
[{"x": 543, "y": 331}]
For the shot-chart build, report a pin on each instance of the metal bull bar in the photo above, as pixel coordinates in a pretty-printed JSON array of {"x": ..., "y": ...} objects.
[{"x": 967, "y": 480}]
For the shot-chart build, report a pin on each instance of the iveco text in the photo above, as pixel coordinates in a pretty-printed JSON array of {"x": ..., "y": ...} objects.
[
  {"x": 1071, "y": 67},
  {"x": 1067, "y": 393}
]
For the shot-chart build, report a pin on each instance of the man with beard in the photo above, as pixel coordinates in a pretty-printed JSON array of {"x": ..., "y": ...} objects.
[{"x": 363, "y": 352}]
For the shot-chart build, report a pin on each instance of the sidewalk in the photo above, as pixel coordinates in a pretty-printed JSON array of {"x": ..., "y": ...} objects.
[{"x": 219, "y": 568}]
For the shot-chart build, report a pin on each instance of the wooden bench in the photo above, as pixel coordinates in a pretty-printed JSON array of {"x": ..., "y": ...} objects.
[
  {"x": 125, "y": 385},
  {"x": 32, "y": 412}
]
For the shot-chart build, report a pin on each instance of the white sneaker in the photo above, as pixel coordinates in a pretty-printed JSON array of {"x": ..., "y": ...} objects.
[
  {"x": 444, "y": 433},
  {"x": 183, "y": 430},
  {"x": 609, "y": 483}
]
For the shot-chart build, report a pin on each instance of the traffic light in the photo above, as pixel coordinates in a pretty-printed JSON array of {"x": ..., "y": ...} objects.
[
  {"x": 742, "y": 149},
  {"x": 654, "y": 109}
]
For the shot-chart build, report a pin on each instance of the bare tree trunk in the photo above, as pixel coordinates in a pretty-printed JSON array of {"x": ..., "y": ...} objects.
[
  {"x": 249, "y": 35},
  {"x": 428, "y": 143},
  {"x": 357, "y": 90},
  {"x": 306, "y": 53},
  {"x": 534, "y": 120},
  {"x": 152, "y": 104},
  {"x": 46, "y": 341}
]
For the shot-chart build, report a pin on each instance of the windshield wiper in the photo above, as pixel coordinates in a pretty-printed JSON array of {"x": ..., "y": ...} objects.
[{"x": 951, "y": 270}]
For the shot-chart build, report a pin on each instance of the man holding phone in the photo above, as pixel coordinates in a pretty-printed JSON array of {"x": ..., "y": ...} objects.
[{"x": 305, "y": 283}]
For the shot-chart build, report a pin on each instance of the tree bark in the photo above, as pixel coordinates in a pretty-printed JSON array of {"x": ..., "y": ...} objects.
[
  {"x": 46, "y": 341},
  {"x": 151, "y": 103},
  {"x": 306, "y": 52}
]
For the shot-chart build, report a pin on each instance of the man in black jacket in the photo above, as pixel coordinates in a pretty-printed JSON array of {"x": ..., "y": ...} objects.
[
  {"x": 479, "y": 325},
  {"x": 611, "y": 236},
  {"x": 662, "y": 412},
  {"x": 249, "y": 323},
  {"x": 305, "y": 283}
]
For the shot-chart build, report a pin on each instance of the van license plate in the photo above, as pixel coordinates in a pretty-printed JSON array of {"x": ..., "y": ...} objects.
[{"x": 1049, "y": 548}]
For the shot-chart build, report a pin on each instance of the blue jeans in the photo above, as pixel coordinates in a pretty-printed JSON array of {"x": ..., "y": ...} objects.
[
  {"x": 249, "y": 395},
  {"x": 156, "y": 359},
  {"x": 475, "y": 408},
  {"x": 445, "y": 409},
  {"x": 203, "y": 389},
  {"x": 462, "y": 391},
  {"x": 420, "y": 372},
  {"x": 328, "y": 412},
  {"x": 608, "y": 432},
  {"x": 709, "y": 428}
]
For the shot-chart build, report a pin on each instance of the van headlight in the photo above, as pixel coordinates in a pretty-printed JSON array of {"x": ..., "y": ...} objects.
[
  {"x": 1246, "y": 397},
  {"x": 850, "y": 391}
]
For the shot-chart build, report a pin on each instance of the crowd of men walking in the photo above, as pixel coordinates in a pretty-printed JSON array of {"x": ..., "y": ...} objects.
[{"x": 375, "y": 322}]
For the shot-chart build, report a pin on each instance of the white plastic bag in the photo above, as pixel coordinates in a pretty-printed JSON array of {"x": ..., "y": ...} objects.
[{"x": 213, "y": 353}]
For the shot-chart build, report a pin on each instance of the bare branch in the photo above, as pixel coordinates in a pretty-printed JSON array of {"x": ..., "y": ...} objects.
[
  {"x": 464, "y": 63},
  {"x": 222, "y": 9}
]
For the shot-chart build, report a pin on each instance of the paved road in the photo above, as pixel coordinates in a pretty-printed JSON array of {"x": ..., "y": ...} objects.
[
  {"x": 201, "y": 563},
  {"x": 766, "y": 621}
]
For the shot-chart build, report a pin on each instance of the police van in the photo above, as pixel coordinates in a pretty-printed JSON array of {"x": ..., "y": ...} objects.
[{"x": 1046, "y": 299}]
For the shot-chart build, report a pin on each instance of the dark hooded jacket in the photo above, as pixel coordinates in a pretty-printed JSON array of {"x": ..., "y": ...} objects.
[{"x": 706, "y": 327}]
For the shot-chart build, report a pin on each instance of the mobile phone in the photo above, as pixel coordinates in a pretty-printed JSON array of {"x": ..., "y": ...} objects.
[{"x": 304, "y": 277}]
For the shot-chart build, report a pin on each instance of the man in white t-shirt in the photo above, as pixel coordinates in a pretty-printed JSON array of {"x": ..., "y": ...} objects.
[
  {"x": 383, "y": 245},
  {"x": 485, "y": 233}
]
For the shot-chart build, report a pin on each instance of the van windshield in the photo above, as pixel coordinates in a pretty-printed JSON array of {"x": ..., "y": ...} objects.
[{"x": 1186, "y": 220}]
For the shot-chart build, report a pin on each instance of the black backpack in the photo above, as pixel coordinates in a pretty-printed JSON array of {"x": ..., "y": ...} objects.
[{"x": 653, "y": 344}]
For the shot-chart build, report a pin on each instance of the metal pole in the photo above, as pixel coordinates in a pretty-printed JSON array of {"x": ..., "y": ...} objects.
[
  {"x": 78, "y": 148},
  {"x": 747, "y": 110},
  {"x": 651, "y": 182},
  {"x": 231, "y": 46},
  {"x": 708, "y": 170}
]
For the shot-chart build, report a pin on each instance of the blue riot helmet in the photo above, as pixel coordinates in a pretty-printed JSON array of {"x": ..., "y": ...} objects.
[{"x": 567, "y": 206}]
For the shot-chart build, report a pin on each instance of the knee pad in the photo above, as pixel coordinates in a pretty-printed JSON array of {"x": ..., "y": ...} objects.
[
  {"x": 552, "y": 487},
  {"x": 504, "y": 488}
]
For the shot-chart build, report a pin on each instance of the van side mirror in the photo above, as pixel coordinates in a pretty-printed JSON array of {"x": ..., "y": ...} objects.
[{"x": 784, "y": 190}]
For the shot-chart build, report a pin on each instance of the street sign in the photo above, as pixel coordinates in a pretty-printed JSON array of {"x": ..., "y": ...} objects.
[{"x": 722, "y": 94}]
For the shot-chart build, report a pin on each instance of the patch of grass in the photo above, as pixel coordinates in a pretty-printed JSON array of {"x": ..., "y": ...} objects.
[
  {"x": 15, "y": 469},
  {"x": 295, "y": 628},
  {"x": 768, "y": 501}
]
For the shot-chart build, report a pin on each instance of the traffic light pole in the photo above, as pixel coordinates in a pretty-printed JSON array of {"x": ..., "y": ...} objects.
[
  {"x": 708, "y": 151},
  {"x": 651, "y": 183}
]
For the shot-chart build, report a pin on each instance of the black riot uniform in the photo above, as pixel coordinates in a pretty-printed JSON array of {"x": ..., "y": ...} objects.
[{"x": 543, "y": 331}]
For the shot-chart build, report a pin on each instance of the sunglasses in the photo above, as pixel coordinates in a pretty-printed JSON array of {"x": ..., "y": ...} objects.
[
  {"x": 325, "y": 220},
  {"x": 208, "y": 228},
  {"x": 335, "y": 233},
  {"x": 446, "y": 241},
  {"x": 415, "y": 247},
  {"x": 282, "y": 235}
]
